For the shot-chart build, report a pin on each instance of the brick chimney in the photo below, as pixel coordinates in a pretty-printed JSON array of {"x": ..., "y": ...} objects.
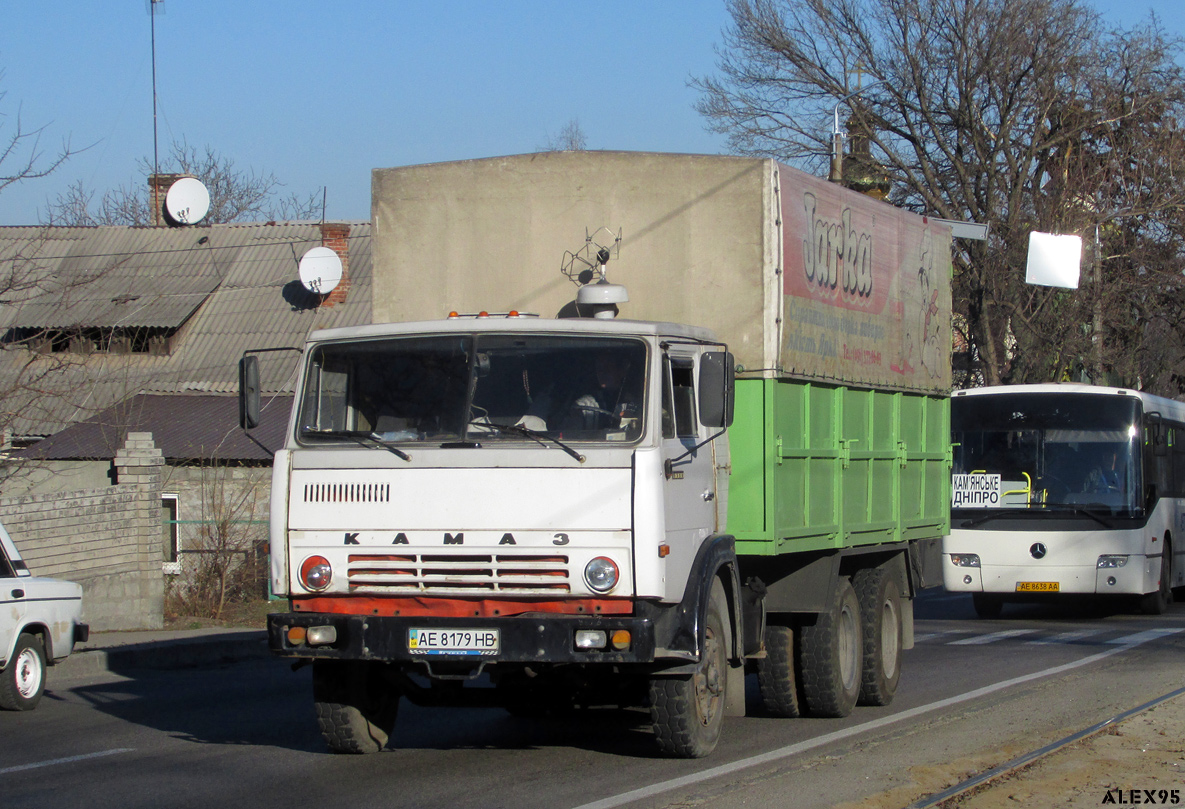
[
  {"x": 336, "y": 236},
  {"x": 158, "y": 187}
]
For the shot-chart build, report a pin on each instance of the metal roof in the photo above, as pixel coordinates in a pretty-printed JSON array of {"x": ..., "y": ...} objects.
[
  {"x": 185, "y": 428},
  {"x": 222, "y": 288}
]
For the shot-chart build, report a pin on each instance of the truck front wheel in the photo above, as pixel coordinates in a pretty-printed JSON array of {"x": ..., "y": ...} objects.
[
  {"x": 23, "y": 681},
  {"x": 687, "y": 712},
  {"x": 356, "y": 711},
  {"x": 880, "y": 611},
  {"x": 832, "y": 652}
]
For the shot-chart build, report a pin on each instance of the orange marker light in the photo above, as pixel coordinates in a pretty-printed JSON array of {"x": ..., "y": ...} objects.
[{"x": 664, "y": 551}]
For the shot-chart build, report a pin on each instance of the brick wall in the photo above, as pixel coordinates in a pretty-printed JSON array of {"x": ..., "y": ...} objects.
[{"x": 108, "y": 539}]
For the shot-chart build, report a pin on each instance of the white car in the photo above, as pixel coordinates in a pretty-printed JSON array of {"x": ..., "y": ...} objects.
[{"x": 40, "y": 621}]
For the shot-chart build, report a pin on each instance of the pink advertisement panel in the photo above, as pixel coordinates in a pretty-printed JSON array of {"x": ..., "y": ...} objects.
[{"x": 867, "y": 289}]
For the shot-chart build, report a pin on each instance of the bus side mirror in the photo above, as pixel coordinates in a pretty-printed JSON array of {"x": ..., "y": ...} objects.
[
  {"x": 249, "y": 392},
  {"x": 717, "y": 386}
]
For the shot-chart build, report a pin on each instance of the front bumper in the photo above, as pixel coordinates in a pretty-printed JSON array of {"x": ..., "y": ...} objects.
[{"x": 523, "y": 639}]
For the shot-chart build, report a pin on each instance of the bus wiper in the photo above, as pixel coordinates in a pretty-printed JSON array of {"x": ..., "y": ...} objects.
[
  {"x": 361, "y": 438},
  {"x": 1028, "y": 512},
  {"x": 517, "y": 429}
]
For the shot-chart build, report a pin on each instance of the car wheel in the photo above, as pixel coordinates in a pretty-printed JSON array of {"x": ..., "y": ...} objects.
[{"x": 23, "y": 681}]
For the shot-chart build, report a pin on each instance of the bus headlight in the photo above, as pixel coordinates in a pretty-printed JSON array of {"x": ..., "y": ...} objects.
[
  {"x": 315, "y": 573},
  {"x": 1112, "y": 561},
  {"x": 964, "y": 559},
  {"x": 601, "y": 574}
]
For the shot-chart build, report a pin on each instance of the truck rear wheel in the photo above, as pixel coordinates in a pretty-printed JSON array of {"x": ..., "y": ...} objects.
[
  {"x": 687, "y": 712},
  {"x": 775, "y": 673},
  {"x": 831, "y": 655},
  {"x": 22, "y": 682},
  {"x": 880, "y": 613},
  {"x": 355, "y": 711}
]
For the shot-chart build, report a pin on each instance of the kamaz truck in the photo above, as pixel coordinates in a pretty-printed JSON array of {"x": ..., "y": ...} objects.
[{"x": 503, "y": 494}]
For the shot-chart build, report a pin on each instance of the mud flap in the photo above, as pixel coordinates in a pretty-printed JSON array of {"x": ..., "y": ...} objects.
[{"x": 734, "y": 702}]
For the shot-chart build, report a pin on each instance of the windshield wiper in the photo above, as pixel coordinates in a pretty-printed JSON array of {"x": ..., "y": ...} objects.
[
  {"x": 1028, "y": 512},
  {"x": 517, "y": 429},
  {"x": 362, "y": 438}
]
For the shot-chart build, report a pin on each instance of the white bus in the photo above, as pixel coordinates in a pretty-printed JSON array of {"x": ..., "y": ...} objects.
[{"x": 1065, "y": 489}]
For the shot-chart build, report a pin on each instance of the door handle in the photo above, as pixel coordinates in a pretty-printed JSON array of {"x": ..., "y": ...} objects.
[
  {"x": 18, "y": 593},
  {"x": 709, "y": 496}
]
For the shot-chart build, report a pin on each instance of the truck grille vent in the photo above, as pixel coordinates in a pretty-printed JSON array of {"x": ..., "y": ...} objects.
[
  {"x": 458, "y": 575},
  {"x": 347, "y": 492}
]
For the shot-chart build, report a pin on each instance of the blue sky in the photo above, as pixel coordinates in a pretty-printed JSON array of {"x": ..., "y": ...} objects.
[{"x": 319, "y": 93}]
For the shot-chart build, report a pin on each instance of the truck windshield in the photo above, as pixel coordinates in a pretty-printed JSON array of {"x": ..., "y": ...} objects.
[
  {"x": 1047, "y": 450},
  {"x": 475, "y": 388}
]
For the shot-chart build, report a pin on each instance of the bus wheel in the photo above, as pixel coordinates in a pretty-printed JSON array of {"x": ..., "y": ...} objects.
[
  {"x": 775, "y": 673},
  {"x": 880, "y": 613},
  {"x": 1155, "y": 603},
  {"x": 687, "y": 712},
  {"x": 831, "y": 655},
  {"x": 987, "y": 605},
  {"x": 355, "y": 711}
]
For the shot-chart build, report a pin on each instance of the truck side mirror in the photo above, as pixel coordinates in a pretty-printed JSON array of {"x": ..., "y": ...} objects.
[
  {"x": 249, "y": 392},
  {"x": 717, "y": 384}
]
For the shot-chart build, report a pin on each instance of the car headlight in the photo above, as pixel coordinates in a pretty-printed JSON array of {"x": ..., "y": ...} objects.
[
  {"x": 1112, "y": 561},
  {"x": 601, "y": 574},
  {"x": 315, "y": 573}
]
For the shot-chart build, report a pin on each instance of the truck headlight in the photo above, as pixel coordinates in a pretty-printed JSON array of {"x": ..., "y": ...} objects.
[
  {"x": 1112, "y": 561},
  {"x": 601, "y": 574},
  {"x": 964, "y": 559},
  {"x": 315, "y": 573}
]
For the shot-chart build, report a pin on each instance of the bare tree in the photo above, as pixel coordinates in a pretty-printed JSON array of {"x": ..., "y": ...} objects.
[
  {"x": 570, "y": 139},
  {"x": 236, "y": 195},
  {"x": 22, "y": 156},
  {"x": 1022, "y": 114}
]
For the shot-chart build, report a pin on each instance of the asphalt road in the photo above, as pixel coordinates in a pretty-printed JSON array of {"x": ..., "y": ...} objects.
[{"x": 973, "y": 693}]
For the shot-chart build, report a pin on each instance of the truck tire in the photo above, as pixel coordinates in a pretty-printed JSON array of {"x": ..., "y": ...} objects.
[
  {"x": 831, "y": 656},
  {"x": 687, "y": 711},
  {"x": 987, "y": 605},
  {"x": 22, "y": 682},
  {"x": 775, "y": 673},
  {"x": 1156, "y": 602},
  {"x": 883, "y": 630},
  {"x": 355, "y": 712}
]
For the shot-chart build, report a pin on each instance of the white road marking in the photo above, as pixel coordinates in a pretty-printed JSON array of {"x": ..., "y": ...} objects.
[
  {"x": 927, "y": 636},
  {"x": 980, "y": 640},
  {"x": 780, "y": 753},
  {"x": 1143, "y": 637},
  {"x": 1065, "y": 637},
  {"x": 68, "y": 760}
]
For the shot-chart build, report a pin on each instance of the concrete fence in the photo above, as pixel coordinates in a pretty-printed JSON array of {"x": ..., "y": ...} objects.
[{"x": 109, "y": 540}]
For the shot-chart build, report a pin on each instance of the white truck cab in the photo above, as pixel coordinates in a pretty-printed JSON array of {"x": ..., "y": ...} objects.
[{"x": 40, "y": 621}]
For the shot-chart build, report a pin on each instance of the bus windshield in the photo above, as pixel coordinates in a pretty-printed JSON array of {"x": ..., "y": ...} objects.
[
  {"x": 474, "y": 388},
  {"x": 1046, "y": 450}
]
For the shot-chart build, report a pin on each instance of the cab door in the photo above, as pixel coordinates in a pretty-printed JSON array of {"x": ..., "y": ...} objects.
[{"x": 689, "y": 488}]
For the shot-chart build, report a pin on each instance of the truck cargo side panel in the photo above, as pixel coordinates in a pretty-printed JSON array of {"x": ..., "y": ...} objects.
[{"x": 841, "y": 467}]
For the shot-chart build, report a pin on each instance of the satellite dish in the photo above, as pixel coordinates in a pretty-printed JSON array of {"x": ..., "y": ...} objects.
[
  {"x": 187, "y": 201},
  {"x": 320, "y": 270}
]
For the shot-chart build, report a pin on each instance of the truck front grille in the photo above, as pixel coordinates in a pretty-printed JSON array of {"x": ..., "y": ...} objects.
[{"x": 467, "y": 574}]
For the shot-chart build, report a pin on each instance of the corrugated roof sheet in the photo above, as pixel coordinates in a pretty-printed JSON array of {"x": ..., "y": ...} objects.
[
  {"x": 185, "y": 428},
  {"x": 254, "y": 300}
]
